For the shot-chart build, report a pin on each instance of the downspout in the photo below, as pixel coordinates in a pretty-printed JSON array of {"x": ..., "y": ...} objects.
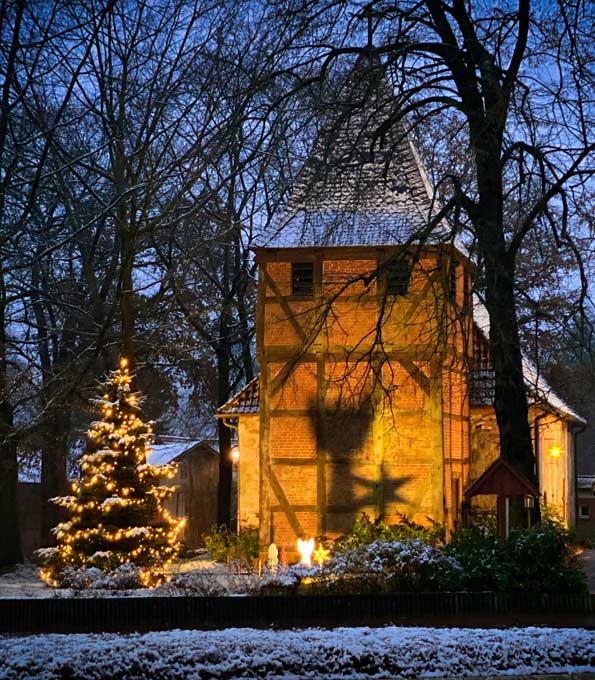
[
  {"x": 227, "y": 422},
  {"x": 232, "y": 424}
]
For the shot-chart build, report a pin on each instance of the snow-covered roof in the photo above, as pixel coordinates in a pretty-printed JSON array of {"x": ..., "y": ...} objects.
[
  {"x": 172, "y": 448},
  {"x": 586, "y": 482},
  {"x": 246, "y": 401},
  {"x": 358, "y": 187},
  {"x": 356, "y": 190},
  {"x": 538, "y": 388}
]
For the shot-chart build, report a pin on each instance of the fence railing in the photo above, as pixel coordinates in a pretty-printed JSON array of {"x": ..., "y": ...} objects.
[{"x": 160, "y": 613}]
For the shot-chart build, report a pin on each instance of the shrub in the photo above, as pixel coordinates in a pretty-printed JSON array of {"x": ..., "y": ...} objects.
[
  {"x": 482, "y": 557},
  {"x": 225, "y": 545},
  {"x": 202, "y": 585},
  {"x": 124, "y": 577},
  {"x": 539, "y": 559},
  {"x": 365, "y": 531},
  {"x": 542, "y": 560},
  {"x": 385, "y": 566}
]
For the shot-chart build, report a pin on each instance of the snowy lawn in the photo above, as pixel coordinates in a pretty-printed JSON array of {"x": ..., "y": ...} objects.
[
  {"x": 25, "y": 582},
  {"x": 310, "y": 653}
]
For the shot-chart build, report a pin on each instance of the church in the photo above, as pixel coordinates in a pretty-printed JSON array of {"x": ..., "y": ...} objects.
[{"x": 375, "y": 391}]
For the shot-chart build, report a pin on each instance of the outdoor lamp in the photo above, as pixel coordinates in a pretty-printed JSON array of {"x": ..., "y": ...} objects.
[
  {"x": 235, "y": 454},
  {"x": 555, "y": 451}
]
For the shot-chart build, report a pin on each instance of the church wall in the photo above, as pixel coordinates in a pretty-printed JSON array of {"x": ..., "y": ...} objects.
[
  {"x": 248, "y": 470},
  {"x": 555, "y": 473},
  {"x": 337, "y": 440}
]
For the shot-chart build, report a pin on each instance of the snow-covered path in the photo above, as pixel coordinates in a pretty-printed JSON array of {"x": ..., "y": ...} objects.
[{"x": 309, "y": 653}]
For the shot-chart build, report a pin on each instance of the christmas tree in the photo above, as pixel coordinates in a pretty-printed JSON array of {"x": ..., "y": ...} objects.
[{"x": 116, "y": 515}]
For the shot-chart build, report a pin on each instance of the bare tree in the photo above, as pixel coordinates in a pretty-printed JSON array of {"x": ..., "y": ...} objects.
[
  {"x": 207, "y": 265},
  {"x": 34, "y": 46},
  {"x": 517, "y": 86}
]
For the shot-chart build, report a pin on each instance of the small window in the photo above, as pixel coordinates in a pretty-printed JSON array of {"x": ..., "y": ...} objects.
[
  {"x": 584, "y": 512},
  {"x": 302, "y": 278},
  {"x": 398, "y": 273}
]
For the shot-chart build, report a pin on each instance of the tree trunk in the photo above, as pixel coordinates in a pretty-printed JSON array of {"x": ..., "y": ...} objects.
[
  {"x": 223, "y": 353},
  {"x": 11, "y": 551},
  {"x": 127, "y": 310},
  {"x": 54, "y": 475},
  {"x": 225, "y": 475},
  {"x": 510, "y": 399}
]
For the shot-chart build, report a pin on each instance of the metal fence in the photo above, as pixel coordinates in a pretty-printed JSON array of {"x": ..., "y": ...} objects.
[{"x": 126, "y": 614}]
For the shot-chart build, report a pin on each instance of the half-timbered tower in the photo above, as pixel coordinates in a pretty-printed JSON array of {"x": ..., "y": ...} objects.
[{"x": 367, "y": 342}]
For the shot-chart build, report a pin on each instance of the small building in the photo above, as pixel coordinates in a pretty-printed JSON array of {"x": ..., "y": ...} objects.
[{"x": 196, "y": 482}]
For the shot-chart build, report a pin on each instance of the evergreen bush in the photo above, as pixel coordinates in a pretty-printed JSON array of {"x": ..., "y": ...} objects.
[
  {"x": 365, "y": 531},
  {"x": 225, "y": 545},
  {"x": 388, "y": 566},
  {"x": 539, "y": 559}
]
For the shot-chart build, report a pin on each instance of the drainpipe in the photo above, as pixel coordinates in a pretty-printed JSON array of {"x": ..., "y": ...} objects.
[{"x": 232, "y": 425}]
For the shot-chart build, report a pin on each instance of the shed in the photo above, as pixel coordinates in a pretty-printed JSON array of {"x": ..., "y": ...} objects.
[{"x": 196, "y": 482}]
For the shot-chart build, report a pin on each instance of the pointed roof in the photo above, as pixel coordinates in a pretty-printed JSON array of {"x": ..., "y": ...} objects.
[
  {"x": 359, "y": 187},
  {"x": 502, "y": 479}
]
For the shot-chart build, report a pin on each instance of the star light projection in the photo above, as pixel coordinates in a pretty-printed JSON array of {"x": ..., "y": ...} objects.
[{"x": 116, "y": 512}]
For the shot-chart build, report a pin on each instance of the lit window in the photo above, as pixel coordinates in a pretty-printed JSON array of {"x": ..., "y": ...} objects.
[
  {"x": 398, "y": 273},
  {"x": 302, "y": 278},
  {"x": 584, "y": 512}
]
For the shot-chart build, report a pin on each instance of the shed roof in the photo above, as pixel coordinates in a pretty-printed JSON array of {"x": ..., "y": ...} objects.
[
  {"x": 586, "y": 482},
  {"x": 172, "y": 448}
]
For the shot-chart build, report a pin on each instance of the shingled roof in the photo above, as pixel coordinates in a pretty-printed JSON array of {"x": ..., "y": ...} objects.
[
  {"x": 245, "y": 402},
  {"x": 359, "y": 187},
  {"x": 538, "y": 389}
]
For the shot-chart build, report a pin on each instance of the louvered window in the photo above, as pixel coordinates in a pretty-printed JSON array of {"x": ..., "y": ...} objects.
[
  {"x": 452, "y": 281},
  {"x": 302, "y": 278},
  {"x": 398, "y": 273}
]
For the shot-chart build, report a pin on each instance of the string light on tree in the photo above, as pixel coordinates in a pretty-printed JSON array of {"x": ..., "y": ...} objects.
[{"x": 116, "y": 513}]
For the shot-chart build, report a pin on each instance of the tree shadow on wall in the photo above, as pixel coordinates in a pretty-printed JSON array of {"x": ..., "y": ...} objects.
[{"x": 355, "y": 479}]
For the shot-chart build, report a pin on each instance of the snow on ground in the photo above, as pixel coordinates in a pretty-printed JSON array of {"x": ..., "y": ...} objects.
[
  {"x": 24, "y": 581},
  {"x": 309, "y": 653}
]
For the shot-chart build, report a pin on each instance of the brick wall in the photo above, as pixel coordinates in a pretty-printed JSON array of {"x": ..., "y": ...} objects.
[{"x": 375, "y": 444}]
